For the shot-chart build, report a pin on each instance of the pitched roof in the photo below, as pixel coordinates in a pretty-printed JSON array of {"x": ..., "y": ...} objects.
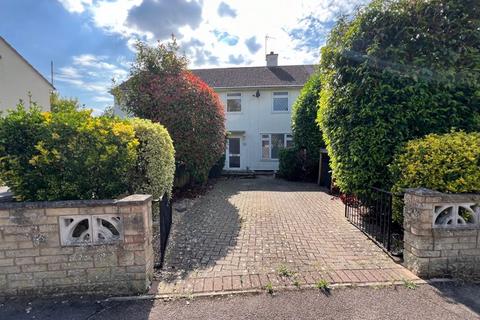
[
  {"x": 250, "y": 77},
  {"x": 26, "y": 61}
]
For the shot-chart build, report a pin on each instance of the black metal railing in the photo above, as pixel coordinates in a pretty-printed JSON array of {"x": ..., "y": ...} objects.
[
  {"x": 372, "y": 213},
  {"x": 164, "y": 209}
]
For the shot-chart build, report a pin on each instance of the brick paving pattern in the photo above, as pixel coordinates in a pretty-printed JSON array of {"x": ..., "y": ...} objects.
[{"x": 247, "y": 233}]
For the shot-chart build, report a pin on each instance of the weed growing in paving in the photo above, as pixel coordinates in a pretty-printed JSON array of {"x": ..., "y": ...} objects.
[
  {"x": 323, "y": 285},
  {"x": 409, "y": 284},
  {"x": 296, "y": 283},
  {"x": 283, "y": 271},
  {"x": 269, "y": 288}
]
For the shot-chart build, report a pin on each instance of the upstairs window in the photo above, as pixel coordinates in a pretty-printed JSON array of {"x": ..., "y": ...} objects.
[
  {"x": 280, "y": 101},
  {"x": 234, "y": 102}
]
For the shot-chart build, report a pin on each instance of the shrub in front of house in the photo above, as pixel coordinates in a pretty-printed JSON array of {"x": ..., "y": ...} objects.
[
  {"x": 162, "y": 90},
  {"x": 446, "y": 163},
  {"x": 65, "y": 155},
  {"x": 392, "y": 74},
  {"x": 306, "y": 132},
  {"x": 155, "y": 167},
  {"x": 291, "y": 164}
]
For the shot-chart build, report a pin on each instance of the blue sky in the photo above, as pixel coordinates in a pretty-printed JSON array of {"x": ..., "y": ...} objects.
[{"x": 91, "y": 41}]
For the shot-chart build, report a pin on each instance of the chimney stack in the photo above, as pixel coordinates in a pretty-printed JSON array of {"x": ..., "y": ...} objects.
[{"x": 272, "y": 59}]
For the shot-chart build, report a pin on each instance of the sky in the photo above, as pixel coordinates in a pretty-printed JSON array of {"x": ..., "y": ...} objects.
[{"x": 92, "y": 42}]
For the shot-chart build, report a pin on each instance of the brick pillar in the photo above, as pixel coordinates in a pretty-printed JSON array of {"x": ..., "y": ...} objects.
[{"x": 435, "y": 247}]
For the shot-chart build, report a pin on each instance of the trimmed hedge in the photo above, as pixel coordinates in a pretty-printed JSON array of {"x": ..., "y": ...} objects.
[
  {"x": 392, "y": 74},
  {"x": 305, "y": 130},
  {"x": 155, "y": 166},
  {"x": 65, "y": 155},
  {"x": 70, "y": 155},
  {"x": 446, "y": 163}
]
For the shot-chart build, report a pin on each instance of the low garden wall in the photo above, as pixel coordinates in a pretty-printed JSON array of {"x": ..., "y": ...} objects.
[
  {"x": 442, "y": 233},
  {"x": 93, "y": 246}
]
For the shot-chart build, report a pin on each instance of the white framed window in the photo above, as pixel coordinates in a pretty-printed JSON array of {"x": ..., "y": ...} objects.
[
  {"x": 280, "y": 102},
  {"x": 273, "y": 142},
  {"x": 234, "y": 102}
]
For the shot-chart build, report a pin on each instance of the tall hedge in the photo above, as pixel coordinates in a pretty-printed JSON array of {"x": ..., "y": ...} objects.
[
  {"x": 398, "y": 70},
  {"x": 155, "y": 167},
  {"x": 306, "y": 132},
  {"x": 65, "y": 155},
  {"x": 446, "y": 163},
  {"x": 162, "y": 90}
]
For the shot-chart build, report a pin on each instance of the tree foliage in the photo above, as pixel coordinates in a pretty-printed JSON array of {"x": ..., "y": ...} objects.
[
  {"x": 398, "y": 70},
  {"x": 162, "y": 90}
]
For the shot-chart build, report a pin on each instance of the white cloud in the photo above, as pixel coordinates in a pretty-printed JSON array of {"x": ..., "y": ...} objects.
[
  {"x": 297, "y": 28},
  {"x": 75, "y": 6}
]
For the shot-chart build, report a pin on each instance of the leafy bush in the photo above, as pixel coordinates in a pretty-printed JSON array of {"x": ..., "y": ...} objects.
[
  {"x": 306, "y": 133},
  {"x": 65, "y": 155},
  {"x": 290, "y": 164},
  {"x": 446, "y": 163},
  {"x": 216, "y": 170},
  {"x": 392, "y": 74},
  {"x": 155, "y": 166},
  {"x": 162, "y": 90}
]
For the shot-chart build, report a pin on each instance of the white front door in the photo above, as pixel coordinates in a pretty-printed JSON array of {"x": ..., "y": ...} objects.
[{"x": 234, "y": 161}]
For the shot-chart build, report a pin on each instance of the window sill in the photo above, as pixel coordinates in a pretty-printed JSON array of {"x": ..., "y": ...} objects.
[
  {"x": 269, "y": 160},
  {"x": 288, "y": 111},
  {"x": 234, "y": 112}
]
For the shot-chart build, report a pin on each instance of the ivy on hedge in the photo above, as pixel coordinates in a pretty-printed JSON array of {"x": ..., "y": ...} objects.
[{"x": 397, "y": 71}]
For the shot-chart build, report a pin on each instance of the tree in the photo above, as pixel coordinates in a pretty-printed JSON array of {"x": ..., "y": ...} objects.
[
  {"x": 161, "y": 89},
  {"x": 397, "y": 71}
]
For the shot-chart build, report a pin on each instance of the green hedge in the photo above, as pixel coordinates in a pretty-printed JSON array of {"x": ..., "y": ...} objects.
[
  {"x": 65, "y": 155},
  {"x": 155, "y": 168},
  {"x": 305, "y": 130},
  {"x": 446, "y": 163},
  {"x": 392, "y": 74},
  {"x": 69, "y": 155}
]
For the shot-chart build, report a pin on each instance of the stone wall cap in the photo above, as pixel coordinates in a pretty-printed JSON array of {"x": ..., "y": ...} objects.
[
  {"x": 135, "y": 199},
  {"x": 422, "y": 192}
]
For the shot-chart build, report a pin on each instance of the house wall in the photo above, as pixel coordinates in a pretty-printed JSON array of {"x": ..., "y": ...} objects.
[
  {"x": 256, "y": 118},
  {"x": 17, "y": 79}
]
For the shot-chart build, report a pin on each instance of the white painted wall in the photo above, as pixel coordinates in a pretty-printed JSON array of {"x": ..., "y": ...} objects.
[
  {"x": 17, "y": 78},
  {"x": 257, "y": 118}
]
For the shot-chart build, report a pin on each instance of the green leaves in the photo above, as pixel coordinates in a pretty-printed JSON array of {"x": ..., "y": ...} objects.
[{"x": 397, "y": 72}]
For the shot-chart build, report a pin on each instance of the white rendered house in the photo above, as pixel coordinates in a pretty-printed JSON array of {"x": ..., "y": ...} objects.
[
  {"x": 19, "y": 80},
  {"x": 258, "y": 103}
]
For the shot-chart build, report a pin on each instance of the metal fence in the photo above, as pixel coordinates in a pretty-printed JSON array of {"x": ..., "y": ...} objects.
[
  {"x": 164, "y": 207},
  {"x": 372, "y": 213}
]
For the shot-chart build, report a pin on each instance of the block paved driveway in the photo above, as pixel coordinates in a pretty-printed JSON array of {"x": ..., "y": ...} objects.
[{"x": 246, "y": 233}]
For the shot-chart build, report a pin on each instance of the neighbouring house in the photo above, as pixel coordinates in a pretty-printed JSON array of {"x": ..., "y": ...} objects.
[
  {"x": 19, "y": 80},
  {"x": 258, "y": 103}
]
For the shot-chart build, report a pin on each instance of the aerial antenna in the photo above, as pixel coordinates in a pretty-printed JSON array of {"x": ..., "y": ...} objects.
[{"x": 266, "y": 41}]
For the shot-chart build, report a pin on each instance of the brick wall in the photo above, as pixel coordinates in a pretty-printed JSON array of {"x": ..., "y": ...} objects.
[
  {"x": 33, "y": 260},
  {"x": 442, "y": 233}
]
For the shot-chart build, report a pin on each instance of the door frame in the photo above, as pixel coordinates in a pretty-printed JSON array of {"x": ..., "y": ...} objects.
[{"x": 227, "y": 160}]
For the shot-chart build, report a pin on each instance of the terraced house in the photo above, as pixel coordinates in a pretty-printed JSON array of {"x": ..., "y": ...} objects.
[{"x": 258, "y": 103}]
